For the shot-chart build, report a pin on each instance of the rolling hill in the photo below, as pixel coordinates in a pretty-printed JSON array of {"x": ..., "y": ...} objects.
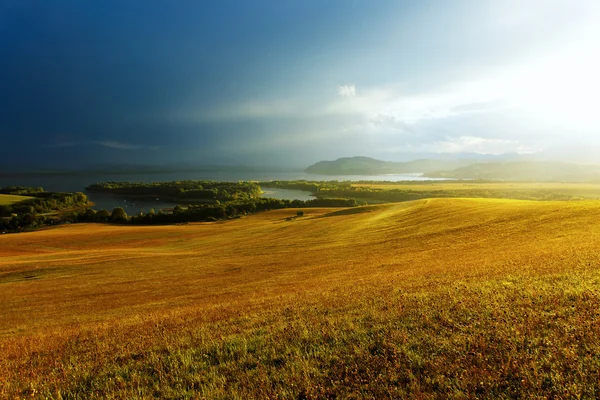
[
  {"x": 432, "y": 298},
  {"x": 523, "y": 171},
  {"x": 371, "y": 166}
]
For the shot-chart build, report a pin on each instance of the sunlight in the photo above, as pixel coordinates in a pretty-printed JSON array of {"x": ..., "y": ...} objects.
[{"x": 562, "y": 88}]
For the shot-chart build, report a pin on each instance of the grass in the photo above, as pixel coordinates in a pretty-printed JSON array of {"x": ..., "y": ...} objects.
[
  {"x": 440, "y": 298},
  {"x": 585, "y": 190},
  {"x": 8, "y": 199}
]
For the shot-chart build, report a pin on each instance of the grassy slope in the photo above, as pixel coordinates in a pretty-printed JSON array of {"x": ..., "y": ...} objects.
[
  {"x": 442, "y": 298},
  {"x": 8, "y": 199}
]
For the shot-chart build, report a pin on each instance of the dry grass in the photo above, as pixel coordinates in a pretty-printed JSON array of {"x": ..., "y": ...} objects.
[
  {"x": 8, "y": 199},
  {"x": 433, "y": 298}
]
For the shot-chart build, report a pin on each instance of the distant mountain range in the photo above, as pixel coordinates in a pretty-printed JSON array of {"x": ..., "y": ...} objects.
[
  {"x": 524, "y": 171},
  {"x": 462, "y": 169},
  {"x": 473, "y": 166},
  {"x": 371, "y": 166}
]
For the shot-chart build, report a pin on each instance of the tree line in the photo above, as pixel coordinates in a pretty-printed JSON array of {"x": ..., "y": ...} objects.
[
  {"x": 206, "y": 212},
  {"x": 187, "y": 190}
]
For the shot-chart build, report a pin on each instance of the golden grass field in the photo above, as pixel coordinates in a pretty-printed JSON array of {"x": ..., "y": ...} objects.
[
  {"x": 8, "y": 199},
  {"x": 439, "y": 298}
]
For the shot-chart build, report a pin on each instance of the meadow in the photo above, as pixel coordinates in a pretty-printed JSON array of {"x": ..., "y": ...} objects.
[
  {"x": 8, "y": 199},
  {"x": 436, "y": 298},
  {"x": 585, "y": 190}
]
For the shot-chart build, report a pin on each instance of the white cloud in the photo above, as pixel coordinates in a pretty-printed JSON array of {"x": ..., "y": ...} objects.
[
  {"x": 465, "y": 144},
  {"x": 471, "y": 144},
  {"x": 347, "y": 90},
  {"x": 386, "y": 106}
]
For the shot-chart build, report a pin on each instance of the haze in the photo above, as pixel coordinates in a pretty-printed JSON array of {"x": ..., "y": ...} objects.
[{"x": 291, "y": 83}]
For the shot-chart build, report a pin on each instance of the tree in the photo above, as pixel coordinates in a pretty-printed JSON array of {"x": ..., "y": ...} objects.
[
  {"x": 178, "y": 209},
  {"x": 118, "y": 215},
  {"x": 102, "y": 215},
  {"x": 14, "y": 222},
  {"x": 29, "y": 220},
  {"x": 90, "y": 215},
  {"x": 80, "y": 198}
]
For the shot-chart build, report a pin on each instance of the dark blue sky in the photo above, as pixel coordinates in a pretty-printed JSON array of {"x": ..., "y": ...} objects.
[{"x": 290, "y": 82}]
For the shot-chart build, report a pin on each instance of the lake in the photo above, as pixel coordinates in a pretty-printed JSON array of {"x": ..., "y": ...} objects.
[
  {"x": 77, "y": 183},
  {"x": 109, "y": 202}
]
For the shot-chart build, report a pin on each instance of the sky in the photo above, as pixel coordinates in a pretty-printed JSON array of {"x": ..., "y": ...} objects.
[{"x": 289, "y": 83}]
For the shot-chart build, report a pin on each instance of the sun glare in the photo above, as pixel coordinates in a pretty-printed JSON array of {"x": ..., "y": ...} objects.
[{"x": 562, "y": 88}]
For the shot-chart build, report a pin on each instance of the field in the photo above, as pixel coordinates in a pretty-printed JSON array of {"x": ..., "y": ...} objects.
[
  {"x": 584, "y": 190},
  {"x": 7, "y": 199},
  {"x": 438, "y": 298},
  {"x": 493, "y": 185}
]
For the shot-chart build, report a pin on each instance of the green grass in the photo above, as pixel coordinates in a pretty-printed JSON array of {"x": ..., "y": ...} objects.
[
  {"x": 503, "y": 189},
  {"x": 440, "y": 298},
  {"x": 8, "y": 199}
]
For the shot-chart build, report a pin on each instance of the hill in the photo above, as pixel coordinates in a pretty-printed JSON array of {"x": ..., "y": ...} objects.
[
  {"x": 523, "y": 170},
  {"x": 448, "y": 298},
  {"x": 371, "y": 166}
]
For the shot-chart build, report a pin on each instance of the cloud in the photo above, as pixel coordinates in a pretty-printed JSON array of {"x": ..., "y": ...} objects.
[
  {"x": 473, "y": 144},
  {"x": 124, "y": 146},
  {"x": 391, "y": 123},
  {"x": 347, "y": 90},
  {"x": 478, "y": 107},
  {"x": 389, "y": 104}
]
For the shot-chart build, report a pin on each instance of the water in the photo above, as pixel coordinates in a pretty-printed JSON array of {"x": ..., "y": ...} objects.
[
  {"x": 287, "y": 194},
  {"x": 77, "y": 183}
]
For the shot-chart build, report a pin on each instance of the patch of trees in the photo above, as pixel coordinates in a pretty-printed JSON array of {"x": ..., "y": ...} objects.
[
  {"x": 26, "y": 214},
  {"x": 21, "y": 190},
  {"x": 188, "y": 191},
  {"x": 30, "y": 221},
  {"x": 207, "y": 212}
]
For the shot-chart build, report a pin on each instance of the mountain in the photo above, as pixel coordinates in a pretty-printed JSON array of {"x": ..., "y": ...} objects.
[
  {"x": 523, "y": 170},
  {"x": 371, "y": 166}
]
